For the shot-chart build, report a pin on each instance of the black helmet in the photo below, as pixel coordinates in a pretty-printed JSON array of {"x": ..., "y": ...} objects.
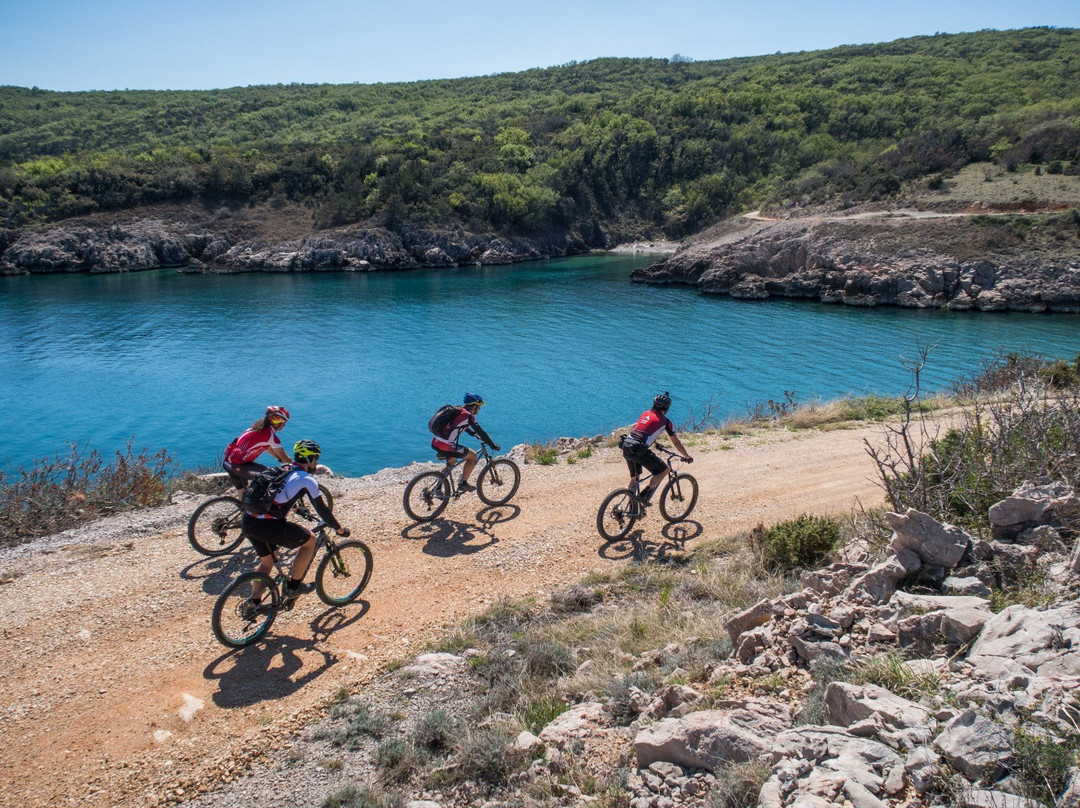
[
  {"x": 304, "y": 450},
  {"x": 662, "y": 401}
]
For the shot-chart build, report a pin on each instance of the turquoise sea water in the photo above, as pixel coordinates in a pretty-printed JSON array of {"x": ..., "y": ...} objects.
[{"x": 566, "y": 347}]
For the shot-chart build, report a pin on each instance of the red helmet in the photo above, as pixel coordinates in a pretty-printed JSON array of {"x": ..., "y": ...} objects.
[{"x": 277, "y": 413}]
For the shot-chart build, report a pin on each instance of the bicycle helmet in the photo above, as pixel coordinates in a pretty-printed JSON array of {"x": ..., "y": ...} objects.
[
  {"x": 662, "y": 401},
  {"x": 305, "y": 450},
  {"x": 277, "y": 413},
  {"x": 474, "y": 398}
]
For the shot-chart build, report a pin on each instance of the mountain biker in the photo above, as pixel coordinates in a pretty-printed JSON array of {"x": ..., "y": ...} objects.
[
  {"x": 261, "y": 437},
  {"x": 636, "y": 445},
  {"x": 447, "y": 448},
  {"x": 267, "y": 531}
]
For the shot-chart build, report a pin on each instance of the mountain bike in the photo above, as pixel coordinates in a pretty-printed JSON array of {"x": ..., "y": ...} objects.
[
  {"x": 214, "y": 527},
  {"x": 240, "y": 618},
  {"x": 428, "y": 493},
  {"x": 622, "y": 507}
]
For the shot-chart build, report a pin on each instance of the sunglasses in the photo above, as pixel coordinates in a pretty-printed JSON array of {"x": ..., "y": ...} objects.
[{"x": 278, "y": 422}]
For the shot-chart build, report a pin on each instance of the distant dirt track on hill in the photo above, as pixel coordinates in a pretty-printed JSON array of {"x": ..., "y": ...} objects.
[{"x": 107, "y": 641}]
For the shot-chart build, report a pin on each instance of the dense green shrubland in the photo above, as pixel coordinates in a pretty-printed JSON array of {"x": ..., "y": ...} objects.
[{"x": 643, "y": 144}]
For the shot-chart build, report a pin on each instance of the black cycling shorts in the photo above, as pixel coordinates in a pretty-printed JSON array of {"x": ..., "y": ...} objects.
[
  {"x": 266, "y": 534},
  {"x": 239, "y": 475},
  {"x": 646, "y": 457},
  {"x": 458, "y": 451}
]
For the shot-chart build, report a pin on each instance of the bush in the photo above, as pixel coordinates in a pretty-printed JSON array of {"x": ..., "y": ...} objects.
[
  {"x": 435, "y": 731},
  {"x": 798, "y": 543},
  {"x": 363, "y": 797},
  {"x": 1043, "y": 764},
  {"x": 542, "y": 711},
  {"x": 60, "y": 492},
  {"x": 398, "y": 759},
  {"x": 546, "y": 659},
  {"x": 738, "y": 784},
  {"x": 546, "y": 457},
  {"x": 486, "y": 755}
]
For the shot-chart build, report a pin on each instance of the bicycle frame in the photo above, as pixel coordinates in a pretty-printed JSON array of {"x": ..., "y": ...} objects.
[
  {"x": 672, "y": 470},
  {"x": 483, "y": 457}
]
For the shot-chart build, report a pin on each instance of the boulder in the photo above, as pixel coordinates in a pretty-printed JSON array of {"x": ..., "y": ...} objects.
[
  {"x": 831, "y": 579},
  {"x": 969, "y": 585},
  {"x": 920, "y": 767},
  {"x": 1046, "y": 642},
  {"x": 752, "y": 617},
  {"x": 961, "y": 626},
  {"x": 817, "y": 762},
  {"x": 878, "y": 584},
  {"x": 911, "y": 602},
  {"x": 1033, "y": 502},
  {"x": 975, "y": 746},
  {"x": 709, "y": 738},
  {"x": 933, "y": 542},
  {"x": 983, "y": 798},
  {"x": 849, "y": 703},
  {"x": 579, "y": 721},
  {"x": 812, "y": 649}
]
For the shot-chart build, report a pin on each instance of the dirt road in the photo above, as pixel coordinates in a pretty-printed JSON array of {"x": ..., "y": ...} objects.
[{"x": 116, "y": 693}]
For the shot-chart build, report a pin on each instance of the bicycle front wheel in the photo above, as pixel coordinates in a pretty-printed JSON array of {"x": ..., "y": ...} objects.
[
  {"x": 343, "y": 573},
  {"x": 617, "y": 515},
  {"x": 426, "y": 496},
  {"x": 239, "y": 617},
  {"x": 678, "y": 498},
  {"x": 498, "y": 482},
  {"x": 214, "y": 528}
]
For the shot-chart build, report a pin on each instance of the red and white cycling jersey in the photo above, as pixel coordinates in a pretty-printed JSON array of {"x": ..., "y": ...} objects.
[
  {"x": 462, "y": 420},
  {"x": 251, "y": 444},
  {"x": 649, "y": 426}
]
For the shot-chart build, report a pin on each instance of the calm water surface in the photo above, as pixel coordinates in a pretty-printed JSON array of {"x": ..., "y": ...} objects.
[{"x": 565, "y": 347}]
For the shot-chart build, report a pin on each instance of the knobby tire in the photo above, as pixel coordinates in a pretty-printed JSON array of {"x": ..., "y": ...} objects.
[
  {"x": 426, "y": 496},
  {"x": 616, "y": 516},
  {"x": 498, "y": 482},
  {"x": 215, "y": 527},
  {"x": 678, "y": 498},
  {"x": 231, "y": 627},
  {"x": 344, "y": 573}
]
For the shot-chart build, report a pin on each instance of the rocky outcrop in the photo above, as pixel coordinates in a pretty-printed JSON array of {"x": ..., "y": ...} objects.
[
  {"x": 153, "y": 244},
  {"x": 900, "y": 261}
]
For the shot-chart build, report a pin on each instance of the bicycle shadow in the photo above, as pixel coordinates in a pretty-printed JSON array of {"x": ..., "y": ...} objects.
[
  {"x": 444, "y": 538},
  {"x": 637, "y": 548},
  {"x": 215, "y": 573},
  {"x": 253, "y": 675},
  {"x": 497, "y": 514}
]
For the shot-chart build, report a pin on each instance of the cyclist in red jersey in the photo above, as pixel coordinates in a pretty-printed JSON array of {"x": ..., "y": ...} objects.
[
  {"x": 449, "y": 449},
  {"x": 636, "y": 445},
  {"x": 260, "y": 437}
]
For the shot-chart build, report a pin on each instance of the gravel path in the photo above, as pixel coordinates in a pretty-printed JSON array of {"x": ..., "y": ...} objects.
[{"x": 116, "y": 692}]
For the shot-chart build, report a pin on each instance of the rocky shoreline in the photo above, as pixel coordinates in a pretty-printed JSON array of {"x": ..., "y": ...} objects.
[
  {"x": 147, "y": 244},
  {"x": 961, "y": 264}
]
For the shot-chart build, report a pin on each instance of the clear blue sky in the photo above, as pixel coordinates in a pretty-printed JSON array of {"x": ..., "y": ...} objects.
[{"x": 199, "y": 44}]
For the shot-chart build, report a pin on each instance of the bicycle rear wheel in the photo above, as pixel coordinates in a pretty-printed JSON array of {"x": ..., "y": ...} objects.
[
  {"x": 327, "y": 496},
  {"x": 426, "y": 496},
  {"x": 239, "y": 621},
  {"x": 617, "y": 515},
  {"x": 214, "y": 528},
  {"x": 678, "y": 498},
  {"x": 343, "y": 573},
  {"x": 498, "y": 482}
]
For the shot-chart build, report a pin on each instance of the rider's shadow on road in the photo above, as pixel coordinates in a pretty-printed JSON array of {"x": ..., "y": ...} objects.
[
  {"x": 637, "y": 548},
  {"x": 253, "y": 675},
  {"x": 443, "y": 538},
  {"x": 215, "y": 573}
]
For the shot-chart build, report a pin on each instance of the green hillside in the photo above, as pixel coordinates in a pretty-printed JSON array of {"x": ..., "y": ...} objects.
[{"x": 643, "y": 145}]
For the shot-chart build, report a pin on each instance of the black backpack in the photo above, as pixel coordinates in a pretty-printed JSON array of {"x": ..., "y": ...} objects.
[
  {"x": 440, "y": 422},
  {"x": 259, "y": 495}
]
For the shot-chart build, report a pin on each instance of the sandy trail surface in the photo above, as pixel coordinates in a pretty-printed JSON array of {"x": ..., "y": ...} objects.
[{"x": 116, "y": 692}]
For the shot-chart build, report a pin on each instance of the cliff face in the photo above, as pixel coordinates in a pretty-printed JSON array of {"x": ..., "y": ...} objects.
[
  {"x": 958, "y": 263},
  {"x": 154, "y": 244}
]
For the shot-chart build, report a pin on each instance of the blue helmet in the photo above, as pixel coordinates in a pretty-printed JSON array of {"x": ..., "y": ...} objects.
[{"x": 474, "y": 398}]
